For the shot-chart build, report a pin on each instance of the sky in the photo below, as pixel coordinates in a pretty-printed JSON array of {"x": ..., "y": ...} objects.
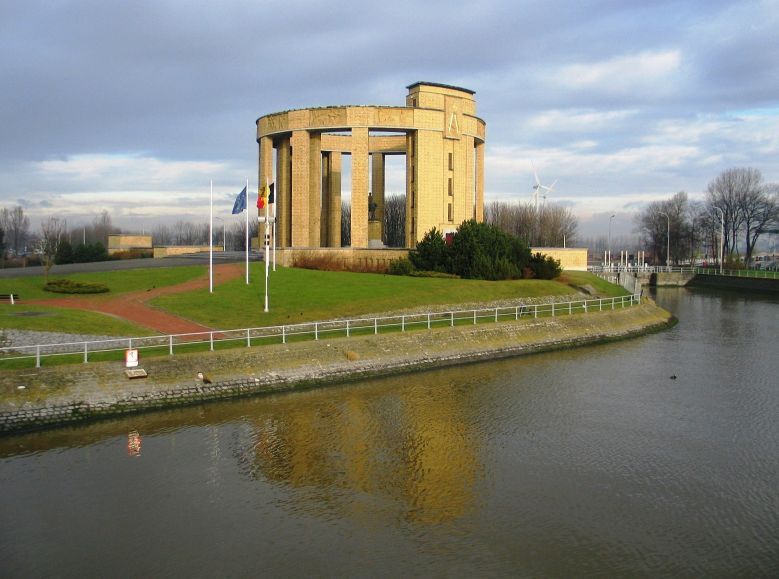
[{"x": 134, "y": 106}]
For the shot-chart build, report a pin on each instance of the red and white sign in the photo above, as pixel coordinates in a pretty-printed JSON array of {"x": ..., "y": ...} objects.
[{"x": 131, "y": 358}]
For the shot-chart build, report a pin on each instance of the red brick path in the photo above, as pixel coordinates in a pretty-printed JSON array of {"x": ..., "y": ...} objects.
[{"x": 134, "y": 308}]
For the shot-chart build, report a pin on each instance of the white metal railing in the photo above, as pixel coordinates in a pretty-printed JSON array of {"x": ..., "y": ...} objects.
[
  {"x": 753, "y": 273},
  {"x": 317, "y": 330}
]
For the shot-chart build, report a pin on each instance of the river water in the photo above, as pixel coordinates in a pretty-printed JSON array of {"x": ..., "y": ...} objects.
[{"x": 587, "y": 462}]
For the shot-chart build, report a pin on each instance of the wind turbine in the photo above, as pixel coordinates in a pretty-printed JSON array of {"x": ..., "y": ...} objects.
[{"x": 538, "y": 187}]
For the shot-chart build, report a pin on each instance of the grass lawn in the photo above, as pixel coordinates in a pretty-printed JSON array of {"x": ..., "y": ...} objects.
[
  {"x": 577, "y": 279},
  {"x": 298, "y": 295},
  {"x": 118, "y": 282},
  {"x": 45, "y": 319}
]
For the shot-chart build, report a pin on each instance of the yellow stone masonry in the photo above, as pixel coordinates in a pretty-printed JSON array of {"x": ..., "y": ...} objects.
[{"x": 437, "y": 131}]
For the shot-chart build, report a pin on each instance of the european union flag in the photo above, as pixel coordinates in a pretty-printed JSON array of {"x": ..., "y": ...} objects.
[{"x": 240, "y": 202}]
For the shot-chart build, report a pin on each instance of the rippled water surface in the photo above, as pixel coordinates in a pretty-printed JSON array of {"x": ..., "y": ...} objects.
[{"x": 588, "y": 462}]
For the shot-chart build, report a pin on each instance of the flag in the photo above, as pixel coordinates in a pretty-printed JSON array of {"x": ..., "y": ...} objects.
[
  {"x": 272, "y": 195},
  {"x": 240, "y": 202},
  {"x": 262, "y": 196}
]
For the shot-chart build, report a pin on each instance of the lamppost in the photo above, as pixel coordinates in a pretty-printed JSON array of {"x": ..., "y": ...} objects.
[
  {"x": 668, "y": 240},
  {"x": 609, "y": 242},
  {"x": 721, "y": 235}
]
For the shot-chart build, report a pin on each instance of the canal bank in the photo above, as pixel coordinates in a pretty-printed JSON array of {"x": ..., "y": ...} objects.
[{"x": 44, "y": 397}]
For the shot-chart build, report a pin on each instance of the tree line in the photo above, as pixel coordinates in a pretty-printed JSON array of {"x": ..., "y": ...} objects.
[{"x": 739, "y": 207}]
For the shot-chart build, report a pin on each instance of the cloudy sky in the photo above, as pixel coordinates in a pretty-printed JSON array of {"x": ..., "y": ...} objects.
[{"x": 134, "y": 105}]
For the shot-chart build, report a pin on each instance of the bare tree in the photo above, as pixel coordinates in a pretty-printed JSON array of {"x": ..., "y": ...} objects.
[
  {"x": 726, "y": 192},
  {"x": 52, "y": 232},
  {"x": 346, "y": 224},
  {"x": 664, "y": 222},
  {"x": 551, "y": 225},
  {"x": 760, "y": 213},
  {"x": 161, "y": 235},
  {"x": 17, "y": 226},
  {"x": 395, "y": 220},
  {"x": 102, "y": 227}
]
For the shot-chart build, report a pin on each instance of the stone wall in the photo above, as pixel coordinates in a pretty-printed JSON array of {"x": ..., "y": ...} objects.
[
  {"x": 571, "y": 258},
  {"x": 350, "y": 259},
  {"x": 182, "y": 249}
]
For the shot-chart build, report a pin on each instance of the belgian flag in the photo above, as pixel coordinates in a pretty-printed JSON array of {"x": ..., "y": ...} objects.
[{"x": 266, "y": 195}]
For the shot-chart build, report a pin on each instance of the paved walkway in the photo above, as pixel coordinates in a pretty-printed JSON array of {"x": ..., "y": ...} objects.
[{"x": 134, "y": 306}]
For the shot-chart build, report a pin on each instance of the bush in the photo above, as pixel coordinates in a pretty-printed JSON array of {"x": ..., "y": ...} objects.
[
  {"x": 545, "y": 267},
  {"x": 483, "y": 251},
  {"x": 432, "y": 253},
  {"x": 64, "y": 253},
  {"x": 132, "y": 254},
  {"x": 90, "y": 252},
  {"x": 402, "y": 266},
  {"x": 66, "y": 286}
]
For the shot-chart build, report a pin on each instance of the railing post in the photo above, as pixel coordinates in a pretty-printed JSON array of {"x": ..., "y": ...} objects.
[
  {"x": 130, "y": 344},
  {"x": 570, "y": 308},
  {"x": 452, "y": 316},
  {"x": 474, "y": 317},
  {"x": 585, "y": 306},
  {"x": 612, "y": 303},
  {"x": 211, "y": 340},
  {"x": 552, "y": 309},
  {"x": 402, "y": 323},
  {"x": 248, "y": 338},
  {"x": 37, "y": 356},
  {"x": 170, "y": 344},
  {"x": 516, "y": 313},
  {"x": 347, "y": 328},
  {"x": 85, "y": 353},
  {"x": 316, "y": 330},
  {"x": 283, "y": 334},
  {"x": 375, "y": 325},
  {"x": 535, "y": 311},
  {"x": 428, "y": 321}
]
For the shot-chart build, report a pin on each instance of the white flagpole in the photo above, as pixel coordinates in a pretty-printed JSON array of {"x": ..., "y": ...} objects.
[
  {"x": 267, "y": 251},
  {"x": 246, "y": 206},
  {"x": 211, "y": 243},
  {"x": 274, "y": 231}
]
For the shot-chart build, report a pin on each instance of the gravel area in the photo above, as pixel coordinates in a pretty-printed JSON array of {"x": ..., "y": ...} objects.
[{"x": 23, "y": 340}]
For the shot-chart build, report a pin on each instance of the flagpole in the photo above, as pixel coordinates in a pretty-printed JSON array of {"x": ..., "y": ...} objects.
[
  {"x": 267, "y": 235},
  {"x": 246, "y": 206},
  {"x": 211, "y": 243},
  {"x": 274, "y": 232}
]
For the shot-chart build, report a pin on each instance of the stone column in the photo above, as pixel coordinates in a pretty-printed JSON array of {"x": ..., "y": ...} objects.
[
  {"x": 324, "y": 222},
  {"x": 411, "y": 187},
  {"x": 283, "y": 193},
  {"x": 301, "y": 153},
  {"x": 334, "y": 201},
  {"x": 315, "y": 190},
  {"x": 479, "y": 182},
  {"x": 266, "y": 172},
  {"x": 376, "y": 235},
  {"x": 470, "y": 181},
  {"x": 360, "y": 187}
]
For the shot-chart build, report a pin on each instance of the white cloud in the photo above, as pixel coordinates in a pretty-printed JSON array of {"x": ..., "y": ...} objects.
[
  {"x": 111, "y": 172},
  {"x": 576, "y": 120},
  {"x": 645, "y": 70}
]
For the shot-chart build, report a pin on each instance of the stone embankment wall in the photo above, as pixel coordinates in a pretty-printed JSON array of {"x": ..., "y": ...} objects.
[
  {"x": 59, "y": 395},
  {"x": 735, "y": 283}
]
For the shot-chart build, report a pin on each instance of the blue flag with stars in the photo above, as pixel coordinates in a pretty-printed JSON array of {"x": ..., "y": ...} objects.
[{"x": 240, "y": 202}]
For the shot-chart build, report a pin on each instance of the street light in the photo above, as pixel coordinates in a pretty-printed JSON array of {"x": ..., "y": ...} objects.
[
  {"x": 668, "y": 240},
  {"x": 721, "y": 235},
  {"x": 609, "y": 243}
]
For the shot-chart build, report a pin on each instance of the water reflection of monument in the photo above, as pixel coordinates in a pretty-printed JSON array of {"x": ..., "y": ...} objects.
[{"x": 420, "y": 454}]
